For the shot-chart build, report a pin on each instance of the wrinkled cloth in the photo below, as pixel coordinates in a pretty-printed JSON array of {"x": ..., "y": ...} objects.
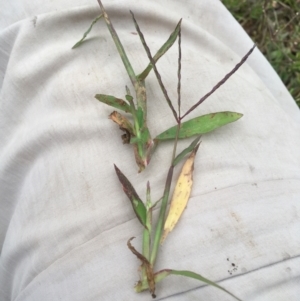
[{"x": 64, "y": 219}]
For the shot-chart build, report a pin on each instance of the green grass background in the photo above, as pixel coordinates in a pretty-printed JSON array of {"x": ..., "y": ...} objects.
[{"x": 275, "y": 28}]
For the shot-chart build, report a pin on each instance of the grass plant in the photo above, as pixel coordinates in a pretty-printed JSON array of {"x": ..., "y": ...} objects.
[{"x": 134, "y": 124}]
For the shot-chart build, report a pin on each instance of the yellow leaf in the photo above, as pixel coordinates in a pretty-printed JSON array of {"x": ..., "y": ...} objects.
[{"x": 181, "y": 194}]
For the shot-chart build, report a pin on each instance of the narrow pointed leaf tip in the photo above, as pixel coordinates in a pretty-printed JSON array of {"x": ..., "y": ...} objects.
[
  {"x": 137, "y": 204},
  {"x": 187, "y": 150},
  {"x": 181, "y": 194},
  {"x": 162, "y": 50},
  {"x": 201, "y": 278},
  {"x": 88, "y": 31},
  {"x": 159, "y": 276},
  {"x": 200, "y": 125}
]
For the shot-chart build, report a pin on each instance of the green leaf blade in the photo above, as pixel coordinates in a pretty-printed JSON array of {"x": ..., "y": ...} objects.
[
  {"x": 119, "y": 45},
  {"x": 195, "y": 144},
  {"x": 115, "y": 102},
  {"x": 200, "y": 125},
  {"x": 162, "y": 50},
  {"x": 202, "y": 279},
  {"x": 137, "y": 204}
]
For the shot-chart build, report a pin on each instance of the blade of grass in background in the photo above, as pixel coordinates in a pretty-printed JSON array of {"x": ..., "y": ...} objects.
[{"x": 275, "y": 28}]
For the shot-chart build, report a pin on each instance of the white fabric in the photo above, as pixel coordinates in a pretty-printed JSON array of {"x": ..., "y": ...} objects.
[{"x": 64, "y": 219}]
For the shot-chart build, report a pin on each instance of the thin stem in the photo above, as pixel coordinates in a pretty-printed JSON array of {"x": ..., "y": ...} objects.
[
  {"x": 176, "y": 141},
  {"x": 179, "y": 96},
  {"x": 162, "y": 212},
  {"x": 161, "y": 218},
  {"x": 147, "y": 232},
  {"x": 287, "y": 24},
  {"x": 265, "y": 19},
  {"x": 179, "y": 73},
  {"x": 147, "y": 241},
  {"x": 220, "y": 83},
  {"x": 154, "y": 67}
]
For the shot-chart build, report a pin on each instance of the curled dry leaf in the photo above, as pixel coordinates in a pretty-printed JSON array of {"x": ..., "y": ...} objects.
[
  {"x": 159, "y": 276},
  {"x": 147, "y": 265},
  {"x": 181, "y": 194},
  {"x": 124, "y": 124}
]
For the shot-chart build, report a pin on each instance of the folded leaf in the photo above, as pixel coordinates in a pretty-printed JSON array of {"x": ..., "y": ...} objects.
[
  {"x": 186, "y": 151},
  {"x": 122, "y": 121},
  {"x": 87, "y": 32},
  {"x": 137, "y": 204},
  {"x": 112, "y": 101},
  {"x": 200, "y": 125},
  {"x": 181, "y": 194},
  {"x": 162, "y": 50},
  {"x": 125, "y": 126},
  {"x": 128, "y": 97}
]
